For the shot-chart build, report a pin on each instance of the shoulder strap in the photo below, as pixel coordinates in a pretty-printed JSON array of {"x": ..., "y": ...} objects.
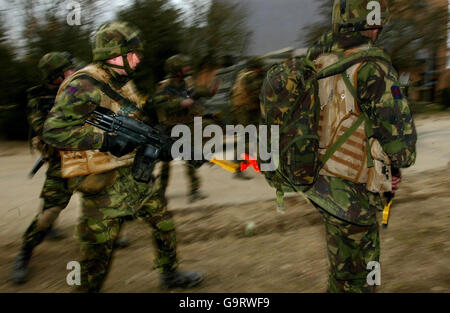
[
  {"x": 342, "y": 65},
  {"x": 107, "y": 90},
  {"x": 373, "y": 54}
]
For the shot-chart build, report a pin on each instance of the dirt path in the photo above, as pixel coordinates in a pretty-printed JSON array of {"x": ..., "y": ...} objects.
[{"x": 286, "y": 253}]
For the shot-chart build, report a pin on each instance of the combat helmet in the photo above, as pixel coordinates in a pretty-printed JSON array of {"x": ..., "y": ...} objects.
[
  {"x": 359, "y": 15},
  {"x": 53, "y": 64},
  {"x": 255, "y": 63},
  {"x": 115, "y": 39},
  {"x": 175, "y": 63}
]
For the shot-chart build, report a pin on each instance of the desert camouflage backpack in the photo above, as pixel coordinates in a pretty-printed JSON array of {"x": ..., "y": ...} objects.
[{"x": 289, "y": 98}]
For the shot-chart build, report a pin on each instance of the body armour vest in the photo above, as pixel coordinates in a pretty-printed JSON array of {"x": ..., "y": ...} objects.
[
  {"x": 82, "y": 163},
  {"x": 359, "y": 159}
]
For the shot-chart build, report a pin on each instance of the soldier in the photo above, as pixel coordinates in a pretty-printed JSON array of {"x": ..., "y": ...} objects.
[
  {"x": 245, "y": 101},
  {"x": 347, "y": 201},
  {"x": 98, "y": 164},
  {"x": 175, "y": 103},
  {"x": 54, "y": 67}
]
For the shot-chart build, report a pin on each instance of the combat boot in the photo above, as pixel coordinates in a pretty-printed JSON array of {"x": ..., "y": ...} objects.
[
  {"x": 176, "y": 279},
  {"x": 20, "y": 267},
  {"x": 196, "y": 196}
]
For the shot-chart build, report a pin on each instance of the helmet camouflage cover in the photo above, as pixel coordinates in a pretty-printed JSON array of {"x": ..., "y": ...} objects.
[
  {"x": 254, "y": 63},
  {"x": 359, "y": 15},
  {"x": 115, "y": 39},
  {"x": 175, "y": 63},
  {"x": 53, "y": 64}
]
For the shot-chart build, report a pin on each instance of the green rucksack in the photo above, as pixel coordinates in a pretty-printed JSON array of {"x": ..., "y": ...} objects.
[{"x": 289, "y": 98}]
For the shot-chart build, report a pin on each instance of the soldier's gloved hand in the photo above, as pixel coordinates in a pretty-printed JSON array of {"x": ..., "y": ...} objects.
[
  {"x": 118, "y": 145},
  {"x": 166, "y": 152}
]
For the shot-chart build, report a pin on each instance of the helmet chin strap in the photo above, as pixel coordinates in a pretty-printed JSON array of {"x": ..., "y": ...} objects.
[{"x": 126, "y": 66}]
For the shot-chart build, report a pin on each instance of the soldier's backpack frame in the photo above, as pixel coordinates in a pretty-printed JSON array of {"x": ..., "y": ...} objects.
[{"x": 299, "y": 161}]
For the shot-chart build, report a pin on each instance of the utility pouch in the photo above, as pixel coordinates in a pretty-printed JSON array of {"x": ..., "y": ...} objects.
[
  {"x": 93, "y": 184},
  {"x": 380, "y": 175}
]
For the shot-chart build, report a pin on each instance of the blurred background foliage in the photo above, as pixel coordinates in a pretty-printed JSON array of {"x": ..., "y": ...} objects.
[{"x": 210, "y": 31}]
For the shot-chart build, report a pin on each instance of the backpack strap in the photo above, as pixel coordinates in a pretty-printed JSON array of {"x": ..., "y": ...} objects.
[
  {"x": 335, "y": 147},
  {"x": 368, "y": 125},
  {"x": 372, "y": 54}
]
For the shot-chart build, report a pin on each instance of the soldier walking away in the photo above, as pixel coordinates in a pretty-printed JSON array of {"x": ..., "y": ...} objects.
[
  {"x": 347, "y": 192},
  {"x": 346, "y": 130},
  {"x": 99, "y": 164}
]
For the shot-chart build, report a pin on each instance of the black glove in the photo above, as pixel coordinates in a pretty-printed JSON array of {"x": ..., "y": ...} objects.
[
  {"x": 118, "y": 145},
  {"x": 166, "y": 151}
]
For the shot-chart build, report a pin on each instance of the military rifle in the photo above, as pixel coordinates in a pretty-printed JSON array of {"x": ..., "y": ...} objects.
[{"x": 150, "y": 140}]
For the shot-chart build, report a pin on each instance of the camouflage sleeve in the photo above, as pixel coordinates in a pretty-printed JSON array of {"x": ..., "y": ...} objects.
[
  {"x": 36, "y": 118},
  {"x": 166, "y": 105},
  {"x": 393, "y": 124},
  {"x": 65, "y": 126}
]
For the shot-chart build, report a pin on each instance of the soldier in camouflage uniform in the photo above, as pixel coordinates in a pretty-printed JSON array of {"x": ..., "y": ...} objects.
[
  {"x": 175, "y": 103},
  {"x": 109, "y": 198},
  {"x": 245, "y": 102},
  {"x": 349, "y": 210},
  {"x": 54, "y": 67},
  {"x": 367, "y": 90}
]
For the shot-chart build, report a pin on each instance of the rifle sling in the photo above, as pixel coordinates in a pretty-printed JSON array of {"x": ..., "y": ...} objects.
[{"x": 107, "y": 90}]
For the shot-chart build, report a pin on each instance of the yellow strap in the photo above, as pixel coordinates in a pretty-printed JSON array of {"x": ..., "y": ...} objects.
[
  {"x": 386, "y": 213},
  {"x": 227, "y": 165}
]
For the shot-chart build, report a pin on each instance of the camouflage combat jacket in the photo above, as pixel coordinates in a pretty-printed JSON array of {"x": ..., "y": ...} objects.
[
  {"x": 110, "y": 194},
  {"x": 393, "y": 126},
  {"x": 40, "y": 101}
]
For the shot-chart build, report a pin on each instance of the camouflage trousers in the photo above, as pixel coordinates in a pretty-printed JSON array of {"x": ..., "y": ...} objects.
[
  {"x": 56, "y": 196},
  {"x": 350, "y": 248},
  {"x": 97, "y": 238},
  {"x": 191, "y": 172}
]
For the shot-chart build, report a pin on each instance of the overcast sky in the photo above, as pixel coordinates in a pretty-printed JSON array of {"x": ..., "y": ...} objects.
[{"x": 275, "y": 24}]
